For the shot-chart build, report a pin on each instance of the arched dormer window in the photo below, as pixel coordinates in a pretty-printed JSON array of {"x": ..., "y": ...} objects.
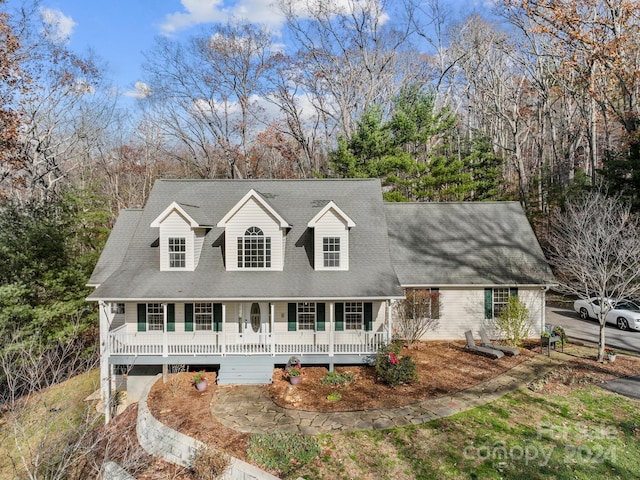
[{"x": 254, "y": 249}]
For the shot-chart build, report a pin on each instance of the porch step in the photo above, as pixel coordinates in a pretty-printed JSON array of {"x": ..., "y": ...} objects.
[{"x": 246, "y": 371}]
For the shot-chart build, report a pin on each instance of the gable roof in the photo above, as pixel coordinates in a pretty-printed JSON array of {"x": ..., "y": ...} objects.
[
  {"x": 371, "y": 274},
  {"x": 188, "y": 212},
  {"x": 261, "y": 201},
  {"x": 466, "y": 243},
  {"x": 331, "y": 206}
]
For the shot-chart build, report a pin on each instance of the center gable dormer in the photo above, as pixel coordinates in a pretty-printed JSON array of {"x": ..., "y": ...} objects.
[
  {"x": 331, "y": 238},
  {"x": 181, "y": 237},
  {"x": 255, "y": 235}
]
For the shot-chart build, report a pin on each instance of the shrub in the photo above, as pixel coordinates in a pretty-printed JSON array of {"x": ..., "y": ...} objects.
[
  {"x": 282, "y": 452},
  {"x": 334, "y": 396},
  {"x": 209, "y": 464},
  {"x": 337, "y": 378},
  {"x": 514, "y": 321},
  {"x": 392, "y": 368}
]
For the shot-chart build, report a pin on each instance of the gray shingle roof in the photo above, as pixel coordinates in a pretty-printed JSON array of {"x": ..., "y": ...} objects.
[
  {"x": 137, "y": 276},
  {"x": 479, "y": 243},
  {"x": 116, "y": 246}
]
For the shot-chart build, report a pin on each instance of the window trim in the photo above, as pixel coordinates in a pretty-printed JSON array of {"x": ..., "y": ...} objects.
[
  {"x": 349, "y": 311},
  {"x": 177, "y": 252},
  {"x": 312, "y": 316},
  {"x": 199, "y": 315},
  {"x": 254, "y": 250},
  {"x": 155, "y": 311},
  {"x": 330, "y": 256}
]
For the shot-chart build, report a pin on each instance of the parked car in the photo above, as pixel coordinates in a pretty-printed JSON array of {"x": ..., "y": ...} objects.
[{"x": 625, "y": 314}]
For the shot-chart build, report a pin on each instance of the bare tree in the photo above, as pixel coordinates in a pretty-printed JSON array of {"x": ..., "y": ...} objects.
[
  {"x": 205, "y": 95},
  {"x": 595, "y": 249},
  {"x": 417, "y": 314}
]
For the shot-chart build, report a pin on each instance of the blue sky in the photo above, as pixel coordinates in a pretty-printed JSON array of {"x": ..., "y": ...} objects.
[{"x": 118, "y": 31}]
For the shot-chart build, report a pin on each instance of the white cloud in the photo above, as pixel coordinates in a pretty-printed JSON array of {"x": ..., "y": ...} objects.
[
  {"x": 212, "y": 11},
  {"x": 140, "y": 90},
  {"x": 58, "y": 27}
]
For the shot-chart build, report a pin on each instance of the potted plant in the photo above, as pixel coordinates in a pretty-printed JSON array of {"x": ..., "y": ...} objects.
[
  {"x": 611, "y": 354},
  {"x": 294, "y": 373},
  {"x": 199, "y": 380}
]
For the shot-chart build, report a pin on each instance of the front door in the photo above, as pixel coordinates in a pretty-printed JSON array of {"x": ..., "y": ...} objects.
[{"x": 255, "y": 323}]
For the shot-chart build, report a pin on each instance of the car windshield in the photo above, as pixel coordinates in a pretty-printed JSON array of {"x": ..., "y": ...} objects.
[{"x": 627, "y": 306}]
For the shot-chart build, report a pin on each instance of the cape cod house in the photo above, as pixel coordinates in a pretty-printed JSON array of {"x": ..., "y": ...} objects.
[{"x": 241, "y": 275}]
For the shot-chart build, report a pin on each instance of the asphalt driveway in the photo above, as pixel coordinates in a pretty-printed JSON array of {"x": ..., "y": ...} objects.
[{"x": 587, "y": 331}]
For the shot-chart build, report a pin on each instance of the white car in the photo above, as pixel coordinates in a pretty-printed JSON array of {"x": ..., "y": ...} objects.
[{"x": 623, "y": 313}]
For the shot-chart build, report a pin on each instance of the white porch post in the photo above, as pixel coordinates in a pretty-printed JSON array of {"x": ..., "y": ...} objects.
[
  {"x": 543, "y": 310},
  {"x": 389, "y": 321},
  {"x": 272, "y": 316},
  {"x": 105, "y": 351},
  {"x": 165, "y": 339},
  {"x": 224, "y": 322},
  {"x": 331, "y": 326}
]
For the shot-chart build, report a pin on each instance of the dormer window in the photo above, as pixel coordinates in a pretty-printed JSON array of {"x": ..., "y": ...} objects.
[
  {"x": 177, "y": 252},
  {"x": 331, "y": 252},
  {"x": 331, "y": 238},
  {"x": 254, "y": 249}
]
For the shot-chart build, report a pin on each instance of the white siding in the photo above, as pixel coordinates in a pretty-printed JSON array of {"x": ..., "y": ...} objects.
[
  {"x": 175, "y": 226},
  {"x": 252, "y": 214},
  {"x": 331, "y": 225},
  {"x": 463, "y": 309}
]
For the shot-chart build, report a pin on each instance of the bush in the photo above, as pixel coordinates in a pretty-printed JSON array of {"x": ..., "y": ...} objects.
[
  {"x": 209, "y": 464},
  {"x": 514, "y": 321},
  {"x": 393, "y": 369},
  {"x": 337, "y": 378},
  {"x": 282, "y": 452}
]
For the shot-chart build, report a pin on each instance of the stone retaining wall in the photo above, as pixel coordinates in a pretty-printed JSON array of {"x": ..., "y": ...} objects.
[{"x": 113, "y": 471}]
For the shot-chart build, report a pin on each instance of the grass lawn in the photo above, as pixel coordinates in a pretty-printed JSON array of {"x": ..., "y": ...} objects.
[
  {"x": 584, "y": 434},
  {"x": 40, "y": 426}
]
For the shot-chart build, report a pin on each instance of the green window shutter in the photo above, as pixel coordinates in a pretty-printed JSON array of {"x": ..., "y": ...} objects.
[
  {"x": 292, "y": 323},
  {"x": 217, "y": 317},
  {"x": 339, "y": 311},
  {"x": 513, "y": 292},
  {"x": 142, "y": 317},
  {"x": 320, "y": 317},
  {"x": 488, "y": 303},
  {"x": 188, "y": 317},
  {"x": 368, "y": 316},
  {"x": 171, "y": 317}
]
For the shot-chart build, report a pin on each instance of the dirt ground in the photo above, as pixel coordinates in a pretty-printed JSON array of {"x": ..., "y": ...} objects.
[{"x": 442, "y": 367}]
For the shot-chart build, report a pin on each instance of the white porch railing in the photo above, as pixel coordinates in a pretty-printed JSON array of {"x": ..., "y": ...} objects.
[{"x": 122, "y": 342}]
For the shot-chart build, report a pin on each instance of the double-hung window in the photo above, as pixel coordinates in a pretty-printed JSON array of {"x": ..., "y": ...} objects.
[
  {"x": 495, "y": 300},
  {"x": 331, "y": 251},
  {"x": 306, "y": 316},
  {"x": 155, "y": 317},
  {"x": 353, "y": 315},
  {"x": 177, "y": 252},
  {"x": 203, "y": 315},
  {"x": 254, "y": 249}
]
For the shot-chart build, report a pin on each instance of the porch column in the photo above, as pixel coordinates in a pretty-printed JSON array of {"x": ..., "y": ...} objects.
[
  {"x": 272, "y": 317},
  {"x": 331, "y": 326},
  {"x": 105, "y": 351},
  {"x": 165, "y": 338},
  {"x": 224, "y": 322},
  {"x": 389, "y": 322}
]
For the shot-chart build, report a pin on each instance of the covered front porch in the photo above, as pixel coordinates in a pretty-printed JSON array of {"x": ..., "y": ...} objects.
[{"x": 166, "y": 344}]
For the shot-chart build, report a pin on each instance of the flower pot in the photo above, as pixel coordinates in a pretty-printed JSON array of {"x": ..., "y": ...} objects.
[
  {"x": 201, "y": 386},
  {"x": 294, "y": 380},
  {"x": 611, "y": 357}
]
